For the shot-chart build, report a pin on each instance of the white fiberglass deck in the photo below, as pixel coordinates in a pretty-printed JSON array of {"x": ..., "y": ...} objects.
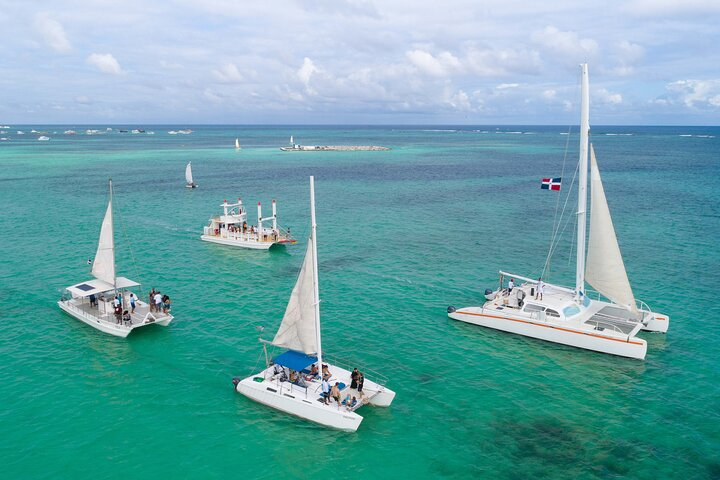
[
  {"x": 102, "y": 316},
  {"x": 557, "y": 318},
  {"x": 303, "y": 399}
]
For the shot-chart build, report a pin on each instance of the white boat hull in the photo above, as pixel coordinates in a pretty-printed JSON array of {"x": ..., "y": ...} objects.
[
  {"x": 304, "y": 402},
  {"x": 631, "y": 347},
  {"x": 657, "y": 323},
  {"x": 238, "y": 243},
  {"x": 108, "y": 324}
]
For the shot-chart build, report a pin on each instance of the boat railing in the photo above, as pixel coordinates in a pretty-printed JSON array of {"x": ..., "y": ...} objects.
[
  {"x": 376, "y": 377},
  {"x": 604, "y": 325}
]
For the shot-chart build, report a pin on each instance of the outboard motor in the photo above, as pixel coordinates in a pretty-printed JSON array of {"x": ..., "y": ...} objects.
[
  {"x": 235, "y": 381},
  {"x": 451, "y": 309},
  {"x": 489, "y": 294}
]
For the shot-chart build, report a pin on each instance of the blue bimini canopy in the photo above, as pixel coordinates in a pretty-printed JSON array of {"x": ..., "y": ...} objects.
[{"x": 295, "y": 360}]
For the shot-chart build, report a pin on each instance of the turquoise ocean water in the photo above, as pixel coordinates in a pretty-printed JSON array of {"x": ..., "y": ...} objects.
[{"x": 402, "y": 234}]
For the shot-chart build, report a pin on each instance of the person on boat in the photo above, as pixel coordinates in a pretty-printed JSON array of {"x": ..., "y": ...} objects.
[
  {"x": 293, "y": 376},
  {"x": 354, "y": 379},
  {"x": 326, "y": 372},
  {"x": 116, "y": 301},
  {"x": 335, "y": 393},
  {"x": 118, "y": 313},
  {"x": 511, "y": 285},
  {"x": 313, "y": 373},
  {"x": 132, "y": 303},
  {"x": 93, "y": 300},
  {"x": 326, "y": 392},
  {"x": 166, "y": 305},
  {"x": 158, "y": 301},
  {"x": 540, "y": 289},
  {"x": 360, "y": 382},
  {"x": 126, "y": 317},
  {"x": 151, "y": 300}
]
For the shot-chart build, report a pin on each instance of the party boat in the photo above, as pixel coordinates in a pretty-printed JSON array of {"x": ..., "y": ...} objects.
[
  {"x": 287, "y": 383},
  {"x": 92, "y": 301},
  {"x": 609, "y": 321},
  {"x": 231, "y": 228}
]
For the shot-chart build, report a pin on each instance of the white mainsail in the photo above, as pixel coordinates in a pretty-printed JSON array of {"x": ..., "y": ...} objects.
[
  {"x": 104, "y": 264},
  {"x": 237, "y": 143},
  {"x": 298, "y": 328},
  {"x": 604, "y": 268},
  {"x": 188, "y": 174},
  {"x": 292, "y": 142}
]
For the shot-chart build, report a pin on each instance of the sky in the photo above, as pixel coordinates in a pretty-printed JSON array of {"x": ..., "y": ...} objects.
[{"x": 479, "y": 62}]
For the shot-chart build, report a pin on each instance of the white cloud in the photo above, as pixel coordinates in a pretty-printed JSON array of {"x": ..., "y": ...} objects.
[
  {"x": 106, "y": 63},
  {"x": 52, "y": 33},
  {"x": 565, "y": 43},
  {"x": 441, "y": 66},
  {"x": 305, "y": 73},
  {"x": 505, "y": 86},
  {"x": 696, "y": 93},
  {"x": 229, "y": 74},
  {"x": 603, "y": 96}
]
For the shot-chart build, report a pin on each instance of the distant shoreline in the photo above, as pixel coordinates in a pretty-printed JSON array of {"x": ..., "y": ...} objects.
[{"x": 333, "y": 148}]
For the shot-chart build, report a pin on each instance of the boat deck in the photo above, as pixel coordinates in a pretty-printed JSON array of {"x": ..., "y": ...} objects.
[{"x": 104, "y": 312}]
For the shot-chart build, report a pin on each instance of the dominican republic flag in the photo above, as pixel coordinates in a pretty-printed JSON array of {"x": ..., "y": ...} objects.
[{"x": 551, "y": 183}]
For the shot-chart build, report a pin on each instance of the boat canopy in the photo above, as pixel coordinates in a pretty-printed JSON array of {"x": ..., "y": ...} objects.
[
  {"x": 96, "y": 286},
  {"x": 297, "y": 361}
]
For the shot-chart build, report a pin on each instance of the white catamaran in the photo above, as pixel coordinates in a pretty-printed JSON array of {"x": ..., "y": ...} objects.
[
  {"x": 94, "y": 301},
  {"x": 290, "y": 383},
  {"x": 188, "y": 176},
  {"x": 231, "y": 228},
  {"x": 607, "y": 324}
]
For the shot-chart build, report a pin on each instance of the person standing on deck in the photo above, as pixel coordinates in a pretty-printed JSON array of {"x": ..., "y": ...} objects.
[
  {"x": 540, "y": 289},
  {"x": 132, "y": 303},
  {"x": 511, "y": 285},
  {"x": 326, "y": 392}
]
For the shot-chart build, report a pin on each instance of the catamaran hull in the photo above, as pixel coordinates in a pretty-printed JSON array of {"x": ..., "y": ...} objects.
[
  {"x": 297, "y": 404},
  {"x": 657, "y": 323},
  {"x": 118, "y": 330},
  {"x": 632, "y": 347},
  {"x": 238, "y": 243}
]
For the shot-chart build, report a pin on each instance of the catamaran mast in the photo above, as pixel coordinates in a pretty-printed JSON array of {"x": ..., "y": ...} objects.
[
  {"x": 582, "y": 181},
  {"x": 315, "y": 273},
  {"x": 112, "y": 235}
]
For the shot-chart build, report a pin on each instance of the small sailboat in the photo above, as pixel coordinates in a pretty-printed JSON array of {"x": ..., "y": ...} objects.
[
  {"x": 237, "y": 144},
  {"x": 293, "y": 145},
  {"x": 231, "y": 228},
  {"x": 288, "y": 383},
  {"x": 609, "y": 322},
  {"x": 95, "y": 302},
  {"x": 189, "y": 183}
]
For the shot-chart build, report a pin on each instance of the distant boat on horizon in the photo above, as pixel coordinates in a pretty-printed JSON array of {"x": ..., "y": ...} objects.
[{"x": 237, "y": 144}]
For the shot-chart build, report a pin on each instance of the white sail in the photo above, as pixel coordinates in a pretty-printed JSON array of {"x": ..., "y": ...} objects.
[
  {"x": 237, "y": 143},
  {"x": 604, "y": 269},
  {"x": 188, "y": 174},
  {"x": 104, "y": 264},
  {"x": 292, "y": 142},
  {"x": 297, "y": 330}
]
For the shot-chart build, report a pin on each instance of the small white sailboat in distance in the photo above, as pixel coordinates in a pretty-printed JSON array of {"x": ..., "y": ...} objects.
[
  {"x": 188, "y": 177},
  {"x": 292, "y": 382},
  {"x": 237, "y": 144},
  {"x": 609, "y": 322},
  {"x": 105, "y": 303}
]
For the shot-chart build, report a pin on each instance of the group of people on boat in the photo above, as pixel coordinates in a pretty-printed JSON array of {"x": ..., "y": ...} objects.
[
  {"x": 159, "y": 303},
  {"x": 329, "y": 392}
]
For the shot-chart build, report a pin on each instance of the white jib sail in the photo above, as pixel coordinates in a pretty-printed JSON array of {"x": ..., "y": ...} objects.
[
  {"x": 188, "y": 174},
  {"x": 604, "y": 269},
  {"x": 104, "y": 263},
  {"x": 297, "y": 330}
]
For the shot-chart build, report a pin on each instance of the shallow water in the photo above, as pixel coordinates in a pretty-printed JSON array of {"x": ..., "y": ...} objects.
[{"x": 401, "y": 235}]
